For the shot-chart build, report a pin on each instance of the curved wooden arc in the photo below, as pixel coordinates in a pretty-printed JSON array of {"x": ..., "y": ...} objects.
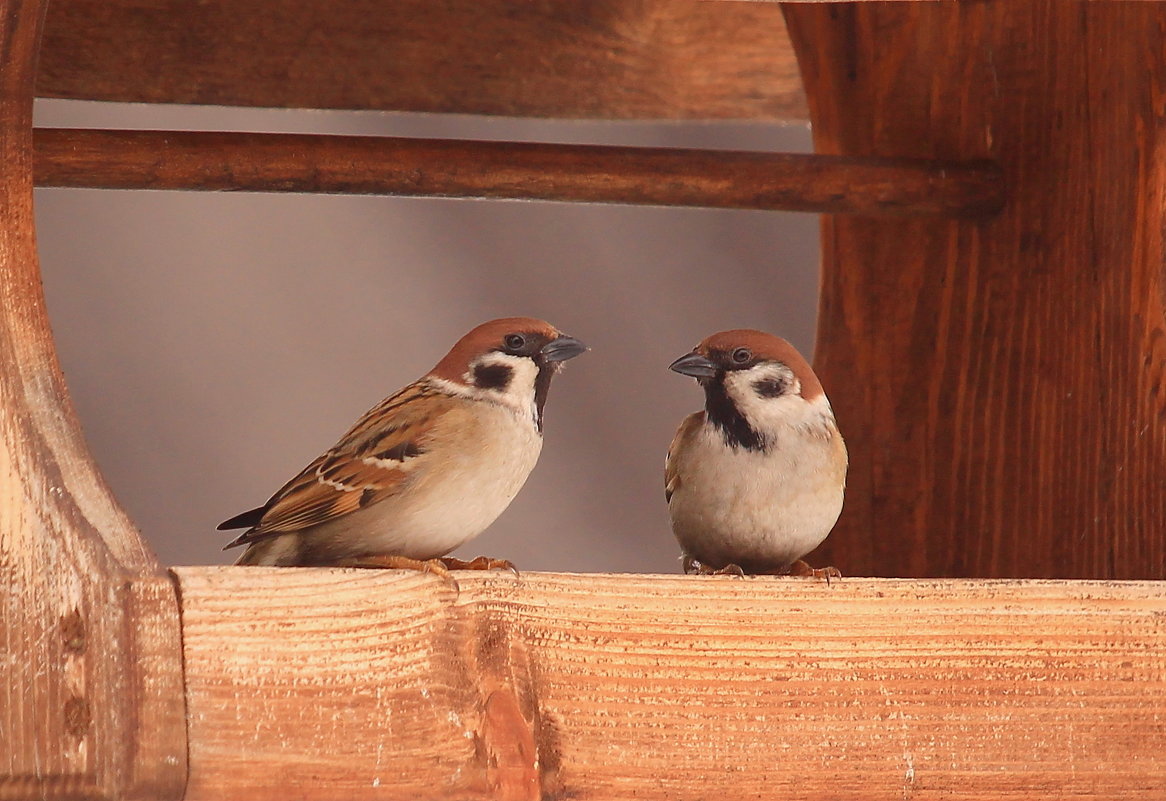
[
  {"x": 602, "y": 59},
  {"x": 91, "y": 693},
  {"x": 1002, "y": 383}
]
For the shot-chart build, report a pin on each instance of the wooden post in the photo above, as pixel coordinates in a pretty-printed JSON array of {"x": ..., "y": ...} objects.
[
  {"x": 91, "y": 694},
  {"x": 1001, "y": 383}
]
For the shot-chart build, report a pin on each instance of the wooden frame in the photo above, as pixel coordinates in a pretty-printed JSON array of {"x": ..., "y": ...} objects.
[{"x": 988, "y": 439}]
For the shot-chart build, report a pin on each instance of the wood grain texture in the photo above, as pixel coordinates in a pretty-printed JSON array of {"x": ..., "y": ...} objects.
[
  {"x": 518, "y": 170},
  {"x": 91, "y": 702},
  {"x": 380, "y": 685},
  {"x": 609, "y": 59},
  {"x": 1001, "y": 384}
]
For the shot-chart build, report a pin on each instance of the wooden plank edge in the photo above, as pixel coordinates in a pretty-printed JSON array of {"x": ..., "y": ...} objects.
[
  {"x": 604, "y": 59},
  {"x": 379, "y": 684}
]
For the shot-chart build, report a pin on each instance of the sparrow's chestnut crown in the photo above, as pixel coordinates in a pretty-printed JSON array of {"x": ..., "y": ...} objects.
[
  {"x": 742, "y": 349},
  {"x": 516, "y": 336}
]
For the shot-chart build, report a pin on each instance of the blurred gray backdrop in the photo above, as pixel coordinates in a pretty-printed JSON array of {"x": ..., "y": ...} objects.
[{"x": 215, "y": 343}]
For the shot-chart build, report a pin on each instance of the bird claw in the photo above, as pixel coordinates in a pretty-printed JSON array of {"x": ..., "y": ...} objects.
[
  {"x": 802, "y": 569},
  {"x": 439, "y": 567},
  {"x": 436, "y": 567},
  {"x": 693, "y": 566},
  {"x": 479, "y": 563}
]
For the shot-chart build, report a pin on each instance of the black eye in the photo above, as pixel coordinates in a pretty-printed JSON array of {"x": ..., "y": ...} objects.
[
  {"x": 515, "y": 342},
  {"x": 742, "y": 355}
]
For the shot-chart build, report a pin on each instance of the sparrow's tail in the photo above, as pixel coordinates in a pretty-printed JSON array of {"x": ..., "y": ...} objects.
[{"x": 282, "y": 550}]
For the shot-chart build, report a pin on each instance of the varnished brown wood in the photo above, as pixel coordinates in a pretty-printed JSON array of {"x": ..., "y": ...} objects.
[
  {"x": 1001, "y": 384},
  {"x": 91, "y": 696},
  {"x": 610, "y": 59},
  {"x": 448, "y": 168},
  {"x": 386, "y": 685}
]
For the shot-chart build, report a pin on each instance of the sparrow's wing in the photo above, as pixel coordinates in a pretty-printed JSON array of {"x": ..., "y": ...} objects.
[
  {"x": 671, "y": 471},
  {"x": 373, "y": 461}
]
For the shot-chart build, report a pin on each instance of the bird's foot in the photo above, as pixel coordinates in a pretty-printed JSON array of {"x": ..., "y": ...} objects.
[
  {"x": 478, "y": 563},
  {"x": 693, "y": 566},
  {"x": 800, "y": 568},
  {"x": 436, "y": 567}
]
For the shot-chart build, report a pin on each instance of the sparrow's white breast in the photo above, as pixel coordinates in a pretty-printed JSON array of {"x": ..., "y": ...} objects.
[
  {"x": 734, "y": 505},
  {"x": 477, "y": 461}
]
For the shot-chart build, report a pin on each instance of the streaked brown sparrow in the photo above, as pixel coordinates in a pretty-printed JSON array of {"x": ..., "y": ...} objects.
[
  {"x": 425, "y": 470},
  {"x": 755, "y": 481}
]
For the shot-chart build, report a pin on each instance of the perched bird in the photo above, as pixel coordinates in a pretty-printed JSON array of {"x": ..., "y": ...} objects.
[
  {"x": 425, "y": 470},
  {"x": 755, "y": 481}
]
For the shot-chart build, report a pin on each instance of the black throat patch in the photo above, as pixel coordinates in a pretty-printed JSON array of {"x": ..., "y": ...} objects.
[
  {"x": 723, "y": 414},
  {"x": 542, "y": 385}
]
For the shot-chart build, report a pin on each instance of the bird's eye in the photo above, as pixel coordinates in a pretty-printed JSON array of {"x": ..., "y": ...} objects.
[
  {"x": 742, "y": 355},
  {"x": 515, "y": 342}
]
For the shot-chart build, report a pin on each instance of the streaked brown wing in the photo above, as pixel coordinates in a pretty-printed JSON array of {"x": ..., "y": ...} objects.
[
  {"x": 671, "y": 473},
  {"x": 371, "y": 462}
]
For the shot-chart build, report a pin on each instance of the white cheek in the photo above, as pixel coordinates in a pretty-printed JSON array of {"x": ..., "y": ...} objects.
[
  {"x": 519, "y": 393},
  {"x": 768, "y": 414}
]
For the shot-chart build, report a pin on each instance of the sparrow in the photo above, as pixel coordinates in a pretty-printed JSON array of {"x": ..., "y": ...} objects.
[
  {"x": 755, "y": 481},
  {"x": 426, "y": 469}
]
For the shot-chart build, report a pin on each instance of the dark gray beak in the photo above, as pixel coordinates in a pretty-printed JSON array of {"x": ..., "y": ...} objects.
[
  {"x": 561, "y": 349},
  {"x": 695, "y": 365}
]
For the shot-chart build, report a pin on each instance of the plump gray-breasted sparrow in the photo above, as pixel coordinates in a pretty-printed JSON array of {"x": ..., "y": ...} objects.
[
  {"x": 426, "y": 469},
  {"x": 755, "y": 481}
]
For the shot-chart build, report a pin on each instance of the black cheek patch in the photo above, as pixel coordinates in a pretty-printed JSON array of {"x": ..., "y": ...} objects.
[
  {"x": 770, "y": 387},
  {"x": 492, "y": 376}
]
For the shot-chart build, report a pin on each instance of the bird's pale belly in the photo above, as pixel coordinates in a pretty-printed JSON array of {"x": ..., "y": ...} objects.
[
  {"x": 763, "y": 518},
  {"x": 454, "y": 500},
  {"x": 473, "y": 499}
]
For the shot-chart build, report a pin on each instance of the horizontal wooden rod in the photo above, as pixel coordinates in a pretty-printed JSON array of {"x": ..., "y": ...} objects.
[
  {"x": 377, "y": 685},
  {"x": 257, "y": 162}
]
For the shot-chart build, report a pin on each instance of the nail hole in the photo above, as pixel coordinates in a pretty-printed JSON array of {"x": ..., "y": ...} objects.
[{"x": 73, "y": 632}]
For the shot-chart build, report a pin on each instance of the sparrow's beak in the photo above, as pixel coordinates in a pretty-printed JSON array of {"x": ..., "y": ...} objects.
[
  {"x": 695, "y": 365},
  {"x": 562, "y": 348}
]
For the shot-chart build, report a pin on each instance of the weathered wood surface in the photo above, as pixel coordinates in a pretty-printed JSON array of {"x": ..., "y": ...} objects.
[
  {"x": 1001, "y": 384},
  {"x": 327, "y": 684},
  {"x": 608, "y": 59},
  {"x": 452, "y": 168},
  {"x": 91, "y": 702}
]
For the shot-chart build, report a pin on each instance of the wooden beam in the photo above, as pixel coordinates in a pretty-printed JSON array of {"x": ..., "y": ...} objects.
[
  {"x": 91, "y": 700},
  {"x": 449, "y": 168},
  {"x": 1001, "y": 383},
  {"x": 608, "y": 59},
  {"x": 382, "y": 685}
]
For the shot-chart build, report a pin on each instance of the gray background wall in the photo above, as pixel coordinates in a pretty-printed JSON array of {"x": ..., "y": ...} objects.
[{"x": 216, "y": 343}]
